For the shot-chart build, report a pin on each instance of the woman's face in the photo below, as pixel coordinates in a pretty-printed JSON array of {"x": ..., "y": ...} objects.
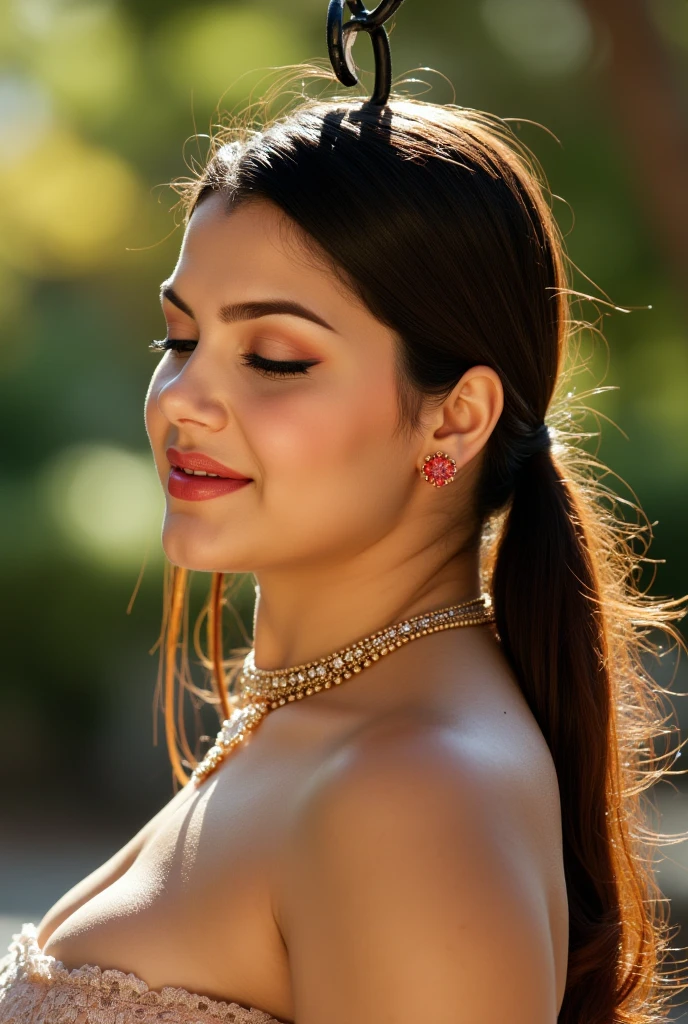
[{"x": 329, "y": 474}]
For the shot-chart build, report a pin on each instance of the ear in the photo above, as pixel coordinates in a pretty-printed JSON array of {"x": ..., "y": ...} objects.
[{"x": 468, "y": 415}]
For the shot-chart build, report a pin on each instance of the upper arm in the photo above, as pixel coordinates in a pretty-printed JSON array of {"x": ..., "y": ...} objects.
[{"x": 410, "y": 893}]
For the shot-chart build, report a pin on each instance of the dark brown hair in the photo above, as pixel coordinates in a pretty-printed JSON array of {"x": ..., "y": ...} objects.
[{"x": 437, "y": 217}]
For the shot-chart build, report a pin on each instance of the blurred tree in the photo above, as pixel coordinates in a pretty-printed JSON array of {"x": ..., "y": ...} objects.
[
  {"x": 653, "y": 116},
  {"x": 100, "y": 102}
]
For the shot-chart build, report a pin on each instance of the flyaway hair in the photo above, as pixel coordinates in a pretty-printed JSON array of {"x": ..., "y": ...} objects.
[{"x": 438, "y": 218}]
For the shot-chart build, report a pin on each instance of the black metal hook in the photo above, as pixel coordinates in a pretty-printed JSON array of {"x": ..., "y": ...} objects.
[{"x": 341, "y": 38}]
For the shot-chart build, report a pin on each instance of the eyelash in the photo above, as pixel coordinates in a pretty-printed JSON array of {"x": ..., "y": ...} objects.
[{"x": 269, "y": 367}]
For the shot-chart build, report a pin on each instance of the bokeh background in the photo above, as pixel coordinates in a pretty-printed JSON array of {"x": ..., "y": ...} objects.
[{"x": 100, "y": 101}]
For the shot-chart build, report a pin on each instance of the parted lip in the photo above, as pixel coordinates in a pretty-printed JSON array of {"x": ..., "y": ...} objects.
[{"x": 197, "y": 460}]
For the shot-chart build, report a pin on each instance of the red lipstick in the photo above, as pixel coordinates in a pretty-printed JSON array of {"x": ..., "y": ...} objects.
[{"x": 191, "y": 487}]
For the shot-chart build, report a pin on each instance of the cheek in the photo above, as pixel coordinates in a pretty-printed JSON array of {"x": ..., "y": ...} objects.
[
  {"x": 149, "y": 408},
  {"x": 307, "y": 429},
  {"x": 154, "y": 420},
  {"x": 327, "y": 453}
]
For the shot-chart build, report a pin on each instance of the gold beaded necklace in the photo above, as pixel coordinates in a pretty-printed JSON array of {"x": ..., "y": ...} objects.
[{"x": 263, "y": 690}]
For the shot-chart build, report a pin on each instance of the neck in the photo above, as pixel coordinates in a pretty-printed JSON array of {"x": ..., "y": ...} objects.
[{"x": 307, "y": 612}]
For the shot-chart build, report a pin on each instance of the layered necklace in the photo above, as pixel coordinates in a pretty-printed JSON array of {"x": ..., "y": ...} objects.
[{"x": 263, "y": 690}]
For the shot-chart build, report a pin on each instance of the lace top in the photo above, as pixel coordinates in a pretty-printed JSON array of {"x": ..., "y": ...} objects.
[{"x": 36, "y": 988}]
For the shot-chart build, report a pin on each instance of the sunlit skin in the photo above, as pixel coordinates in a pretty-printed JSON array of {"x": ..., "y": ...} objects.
[
  {"x": 338, "y": 527},
  {"x": 357, "y": 858}
]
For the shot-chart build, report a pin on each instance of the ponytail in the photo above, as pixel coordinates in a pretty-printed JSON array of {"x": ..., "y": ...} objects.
[
  {"x": 451, "y": 242},
  {"x": 552, "y": 616}
]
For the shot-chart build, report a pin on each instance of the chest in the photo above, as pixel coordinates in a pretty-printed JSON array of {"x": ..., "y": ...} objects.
[
  {"x": 194, "y": 904},
  {"x": 194, "y": 908}
]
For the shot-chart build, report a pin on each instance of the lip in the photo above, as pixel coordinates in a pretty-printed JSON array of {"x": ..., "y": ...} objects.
[
  {"x": 200, "y": 488},
  {"x": 197, "y": 460}
]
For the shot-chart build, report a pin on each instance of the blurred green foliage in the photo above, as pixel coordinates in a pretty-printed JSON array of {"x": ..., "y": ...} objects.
[{"x": 99, "y": 102}]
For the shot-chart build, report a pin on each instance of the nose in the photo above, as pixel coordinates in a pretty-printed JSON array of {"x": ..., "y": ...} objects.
[{"x": 192, "y": 395}]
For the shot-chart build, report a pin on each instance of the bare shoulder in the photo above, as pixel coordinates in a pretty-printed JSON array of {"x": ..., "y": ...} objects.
[{"x": 412, "y": 883}]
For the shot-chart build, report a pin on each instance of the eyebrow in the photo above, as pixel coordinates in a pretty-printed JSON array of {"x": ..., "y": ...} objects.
[{"x": 235, "y": 311}]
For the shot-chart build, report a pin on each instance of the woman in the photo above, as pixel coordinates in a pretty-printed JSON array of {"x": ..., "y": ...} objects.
[{"x": 367, "y": 302}]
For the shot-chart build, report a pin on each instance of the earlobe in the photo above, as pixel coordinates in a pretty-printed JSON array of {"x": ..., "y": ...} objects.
[{"x": 438, "y": 469}]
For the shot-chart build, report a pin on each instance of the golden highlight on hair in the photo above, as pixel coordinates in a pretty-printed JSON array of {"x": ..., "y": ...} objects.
[{"x": 559, "y": 553}]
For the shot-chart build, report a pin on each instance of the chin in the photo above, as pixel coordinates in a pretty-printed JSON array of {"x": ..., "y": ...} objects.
[{"x": 185, "y": 547}]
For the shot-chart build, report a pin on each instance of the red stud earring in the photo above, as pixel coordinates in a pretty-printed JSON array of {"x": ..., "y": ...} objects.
[{"x": 438, "y": 469}]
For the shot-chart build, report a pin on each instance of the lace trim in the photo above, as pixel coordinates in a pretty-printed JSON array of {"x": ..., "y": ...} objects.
[{"x": 25, "y": 961}]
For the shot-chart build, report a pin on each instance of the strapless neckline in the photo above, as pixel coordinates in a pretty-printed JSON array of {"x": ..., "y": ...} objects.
[{"x": 25, "y": 964}]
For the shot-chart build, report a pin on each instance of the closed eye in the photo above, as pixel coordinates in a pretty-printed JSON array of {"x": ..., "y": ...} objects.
[
  {"x": 277, "y": 367},
  {"x": 176, "y": 344},
  {"x": 269, "y": 367}
]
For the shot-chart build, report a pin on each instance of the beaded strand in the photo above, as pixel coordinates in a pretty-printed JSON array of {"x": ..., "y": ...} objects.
[{"x": 263, "y": 690}]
